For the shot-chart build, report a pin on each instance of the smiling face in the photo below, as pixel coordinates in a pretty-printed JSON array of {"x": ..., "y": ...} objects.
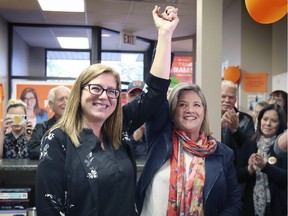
[
  {"x": 189, "y": 113},
  {"x": 270, "y": 123},
  {"x": 228, "y": 98},
  {"x": 59, "y": 103},
  {"x": 97, "y": 108},
  {"x": 30, "y": 100}
]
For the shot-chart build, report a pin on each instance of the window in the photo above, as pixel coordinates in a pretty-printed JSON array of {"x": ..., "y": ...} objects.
[
  {"x": 129, "y": 65},
  {"x": 66, "y": 63}
]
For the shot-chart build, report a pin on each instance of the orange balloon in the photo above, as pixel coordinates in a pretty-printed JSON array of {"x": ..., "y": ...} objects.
[
  {"x": 266, "y": 11},
  {"x": 232, "y": 73}
]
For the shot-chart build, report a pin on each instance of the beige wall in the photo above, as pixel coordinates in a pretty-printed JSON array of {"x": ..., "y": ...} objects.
[{"x": 252, "y": 46}]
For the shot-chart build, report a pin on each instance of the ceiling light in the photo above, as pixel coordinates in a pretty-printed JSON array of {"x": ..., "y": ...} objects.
[
  {"x": 105, "y": 35},
  {"x": 73, "y": 42},
  {"x": 62, "y": 5}
]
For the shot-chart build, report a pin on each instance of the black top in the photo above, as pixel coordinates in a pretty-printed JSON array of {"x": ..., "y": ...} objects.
[
  {"x": 277, "y": 180},
  {"x": 236, "y": 139},
  {"x": 37, "y": 134},
  {"x": 88, "y": 180}
]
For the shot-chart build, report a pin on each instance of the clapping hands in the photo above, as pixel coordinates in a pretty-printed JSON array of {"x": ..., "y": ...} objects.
[
  {"x": 255, "y": 161},
  {"x": 231, "y": 119}
]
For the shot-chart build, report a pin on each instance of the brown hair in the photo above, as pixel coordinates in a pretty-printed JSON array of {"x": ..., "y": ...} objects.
[{"x": 72, "y": 121}]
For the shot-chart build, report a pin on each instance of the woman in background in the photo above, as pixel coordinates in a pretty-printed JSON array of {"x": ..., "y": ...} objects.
[
  {"x": 265, "y": 173},
  {"x": 35, "y": 114},
  {"x": 13, "y": 144},
  {"x": 278, "y": 97},
  {"x": 256, "y": 111}
]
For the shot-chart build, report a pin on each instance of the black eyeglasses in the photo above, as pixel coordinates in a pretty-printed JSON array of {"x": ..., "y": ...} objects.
[
  {"x": 98, "y": 90},
  {"x": 275, "y": 99}
]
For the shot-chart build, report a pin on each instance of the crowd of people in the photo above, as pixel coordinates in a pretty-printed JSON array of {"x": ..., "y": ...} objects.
[{"x": 87, "y": 151}]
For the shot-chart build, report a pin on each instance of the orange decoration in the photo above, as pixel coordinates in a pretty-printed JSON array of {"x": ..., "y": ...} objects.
[
  {"x": 266, "y": 11},
  {"x": 232, "y": 73}
]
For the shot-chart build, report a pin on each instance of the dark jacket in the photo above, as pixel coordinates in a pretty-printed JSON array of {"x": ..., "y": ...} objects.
[
  {"x": 235, "y": 140},
  {"x": 37, "y": 134},
  {"x": 221, "y": 194},
  {"x": 88, "y": 180},
  {"x": 277, "y": 179}
]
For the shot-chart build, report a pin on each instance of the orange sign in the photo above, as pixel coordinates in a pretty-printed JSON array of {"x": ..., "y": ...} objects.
[
  {"x": 255, "y": 82},
  {"x": 181, "y": 70},
  {"x": 42, "y": 93}
]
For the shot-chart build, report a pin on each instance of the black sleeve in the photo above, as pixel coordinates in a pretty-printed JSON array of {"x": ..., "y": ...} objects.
[
  {"x": 33, "y": 144},
  {"x": 245, "y": 131},
  {"x": 146, "y": 104},
  {"x": 247, "y": 149}
]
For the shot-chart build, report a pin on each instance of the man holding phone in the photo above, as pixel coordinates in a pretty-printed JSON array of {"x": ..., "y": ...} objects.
[{"x": 13, "y": 144}]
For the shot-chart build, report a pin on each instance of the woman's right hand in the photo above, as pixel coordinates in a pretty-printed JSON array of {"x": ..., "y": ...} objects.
[{"x": 251, "y": 164}]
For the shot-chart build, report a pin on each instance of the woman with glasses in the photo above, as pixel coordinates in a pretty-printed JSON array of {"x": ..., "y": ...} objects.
[
  {"x": 35, "y": 114},
  {"x": 278, "y": 97},
  {"x": 86, "y": 166},
  {"x": 13, "y": 144}
]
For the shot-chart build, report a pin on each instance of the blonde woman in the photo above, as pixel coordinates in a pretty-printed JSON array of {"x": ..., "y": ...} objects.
[{"x": 13, "y": 144}]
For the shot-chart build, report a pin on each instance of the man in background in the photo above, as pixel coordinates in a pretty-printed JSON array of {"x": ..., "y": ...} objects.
[
  {"x": 236, "y": 126},
  {"x": 57, "y": 99},
  {"x": 137, "y": 139}
]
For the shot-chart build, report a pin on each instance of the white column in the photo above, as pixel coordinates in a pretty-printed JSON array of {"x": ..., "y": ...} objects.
[{"x": 209, "y": 58}]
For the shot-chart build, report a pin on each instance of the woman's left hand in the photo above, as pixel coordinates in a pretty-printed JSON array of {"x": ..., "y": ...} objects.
[
  {"x": 259, "y": 161},
  {"x": 28, "y": 130}
]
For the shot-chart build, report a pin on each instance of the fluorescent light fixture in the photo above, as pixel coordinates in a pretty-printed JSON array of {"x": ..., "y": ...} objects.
[
  {"x": 105, "y": 35},
  {"x": 62, "y": 5},
  {"x": 73, "y": 42}
]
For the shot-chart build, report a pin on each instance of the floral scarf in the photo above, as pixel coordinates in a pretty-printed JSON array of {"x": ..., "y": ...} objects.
[
  {"x": 186, "y": 195},
  {"x": 261, "y": 191}
]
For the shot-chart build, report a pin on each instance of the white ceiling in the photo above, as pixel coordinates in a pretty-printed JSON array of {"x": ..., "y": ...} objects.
[{"x": 117, "y": 15}]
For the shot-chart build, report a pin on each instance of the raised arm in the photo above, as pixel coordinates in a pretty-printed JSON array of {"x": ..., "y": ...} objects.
[{"x": 166, "y": 23}]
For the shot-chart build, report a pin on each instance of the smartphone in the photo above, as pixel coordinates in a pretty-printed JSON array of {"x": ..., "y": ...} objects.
[{"x": 17, "y": 119}]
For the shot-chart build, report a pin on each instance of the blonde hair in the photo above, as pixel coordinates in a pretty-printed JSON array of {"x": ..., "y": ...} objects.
[
  {"x": 173, "y": 98},
  {"x": 12, "y": 103},
  {"x": 72, "y": 120}
]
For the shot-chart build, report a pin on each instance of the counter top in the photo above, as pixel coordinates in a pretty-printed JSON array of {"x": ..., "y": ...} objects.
[
  {"x": 31, "y": 165},
  {"x": 18, "y": 164}
]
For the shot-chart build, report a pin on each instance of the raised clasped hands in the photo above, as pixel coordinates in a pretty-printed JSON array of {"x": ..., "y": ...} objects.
[{"x": 166, "y": 20}]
